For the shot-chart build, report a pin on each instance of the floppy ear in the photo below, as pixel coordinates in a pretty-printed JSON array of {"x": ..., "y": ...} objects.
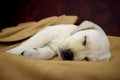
[{"x": 85, "y": 25}]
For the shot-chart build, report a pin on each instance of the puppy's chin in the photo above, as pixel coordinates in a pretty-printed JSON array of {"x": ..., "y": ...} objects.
[
  {"x": 86, "y": 58},
  {"x": 95, "y": 58}
]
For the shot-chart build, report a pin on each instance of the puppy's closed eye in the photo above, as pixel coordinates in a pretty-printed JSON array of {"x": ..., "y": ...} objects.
[{"x": 85, "y": 41}]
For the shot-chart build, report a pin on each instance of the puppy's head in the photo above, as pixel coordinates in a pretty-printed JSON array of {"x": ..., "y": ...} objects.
[{"x": 87, "y": 42}]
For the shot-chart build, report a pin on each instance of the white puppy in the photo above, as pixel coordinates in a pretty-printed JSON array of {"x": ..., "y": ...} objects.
[{"x": 70, "y": 42}]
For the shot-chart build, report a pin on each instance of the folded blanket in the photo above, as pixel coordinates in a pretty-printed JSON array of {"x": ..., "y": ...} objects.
[
  {"x": 16, "y": 34},
  {"x": 14, "y": 67}
]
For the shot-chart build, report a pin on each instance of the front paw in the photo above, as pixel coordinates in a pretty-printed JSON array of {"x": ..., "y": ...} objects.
[
  {"x": 30, "y": 53},
  {"x": 14, "y": 51},
  {"x": 38, "y": 53}
]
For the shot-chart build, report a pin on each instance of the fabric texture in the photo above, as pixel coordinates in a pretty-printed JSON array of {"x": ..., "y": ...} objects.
[{"x": 14, "y": 67}]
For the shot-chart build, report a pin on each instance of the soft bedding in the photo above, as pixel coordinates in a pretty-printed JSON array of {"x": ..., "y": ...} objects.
[{"x": 14, "y": 67}]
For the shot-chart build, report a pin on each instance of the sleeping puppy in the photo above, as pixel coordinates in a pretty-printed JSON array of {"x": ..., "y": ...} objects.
[{"x": 70, "y": 42}]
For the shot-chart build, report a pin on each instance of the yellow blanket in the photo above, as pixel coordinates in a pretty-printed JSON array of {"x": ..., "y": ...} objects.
[{"x": 14, "y": 67}]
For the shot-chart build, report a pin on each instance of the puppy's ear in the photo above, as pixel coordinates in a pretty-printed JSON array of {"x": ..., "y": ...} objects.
[{"x": 86, "y": 25}]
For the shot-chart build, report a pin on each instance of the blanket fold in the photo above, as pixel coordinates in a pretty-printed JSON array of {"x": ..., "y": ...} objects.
[
  {"x": 10, "y": 37},
  {"x": 25, "y": 30},
  {"x": 14, "y": 67}
]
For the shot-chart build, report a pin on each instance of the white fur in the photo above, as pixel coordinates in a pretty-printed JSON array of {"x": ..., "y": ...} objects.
[{"x": 50, "y": 41}]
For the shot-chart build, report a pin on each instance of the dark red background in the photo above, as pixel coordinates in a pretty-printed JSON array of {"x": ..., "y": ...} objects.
[{"x": 105, "y": 13}]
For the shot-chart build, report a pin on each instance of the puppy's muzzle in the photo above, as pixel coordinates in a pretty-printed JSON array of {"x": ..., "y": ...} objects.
[{"x": 67, "y": 54}]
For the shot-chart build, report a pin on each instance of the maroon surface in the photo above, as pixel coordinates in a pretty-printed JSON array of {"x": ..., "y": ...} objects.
[{"x": 105, "y": 13}]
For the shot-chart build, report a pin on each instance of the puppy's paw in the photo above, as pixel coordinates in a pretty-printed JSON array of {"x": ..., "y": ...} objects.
[
  {"x": 31, "y": 53},
  {"x": 14, "y": 51},
  {"x": 39, "y": 53}
]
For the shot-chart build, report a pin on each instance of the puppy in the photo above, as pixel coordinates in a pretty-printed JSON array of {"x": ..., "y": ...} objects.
[{"x": 70, "y": 42}]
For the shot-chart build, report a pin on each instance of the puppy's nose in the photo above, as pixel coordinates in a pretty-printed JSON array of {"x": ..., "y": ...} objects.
[{"x": 67, "y": 54}]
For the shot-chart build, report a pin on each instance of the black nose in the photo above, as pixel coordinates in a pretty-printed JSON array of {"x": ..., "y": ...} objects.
[{"x": 67, "y": 54}]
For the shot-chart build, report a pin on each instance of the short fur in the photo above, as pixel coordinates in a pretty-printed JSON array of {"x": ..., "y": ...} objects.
[{"x": 86, "y": 41}]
